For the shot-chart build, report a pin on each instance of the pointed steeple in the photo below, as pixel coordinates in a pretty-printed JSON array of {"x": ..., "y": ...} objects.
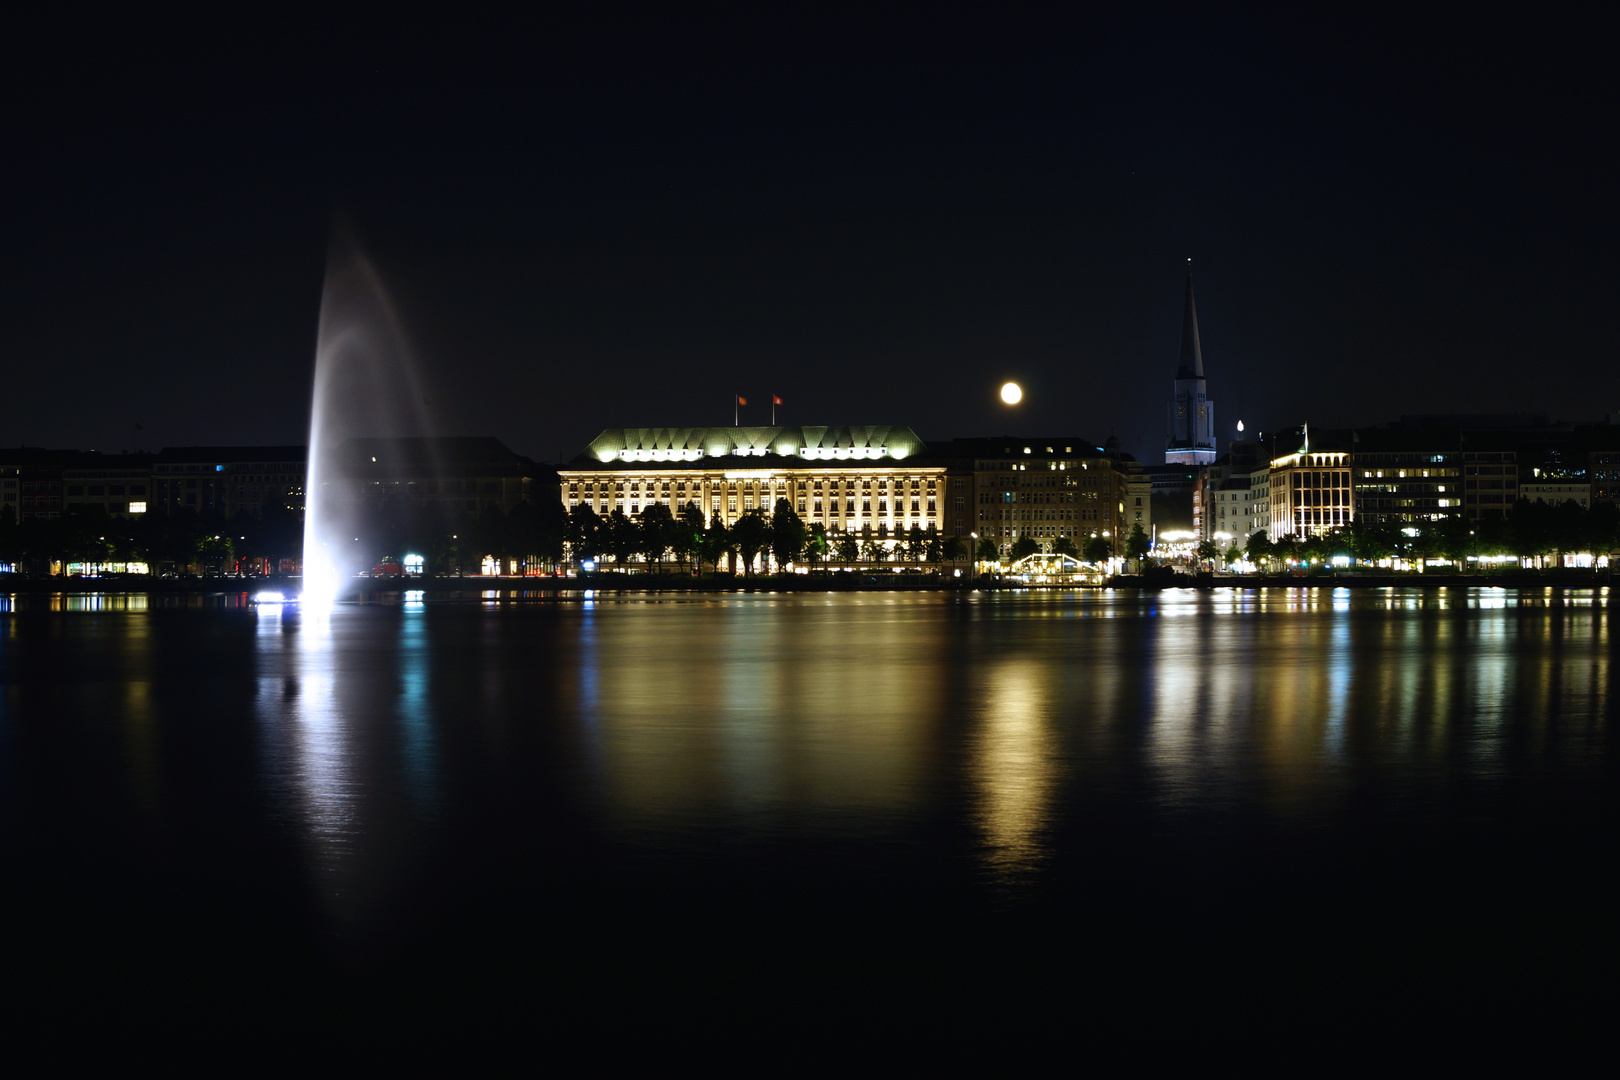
[{"x": 1192, "y": 357}]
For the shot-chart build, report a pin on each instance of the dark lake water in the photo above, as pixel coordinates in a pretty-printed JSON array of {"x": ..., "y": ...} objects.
[{"x": 782, "y": 794}]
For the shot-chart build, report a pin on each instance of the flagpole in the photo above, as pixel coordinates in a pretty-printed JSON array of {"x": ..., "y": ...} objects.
[
  {"x": 736, "y": 411},
  {"x": 773, "y": 410}
]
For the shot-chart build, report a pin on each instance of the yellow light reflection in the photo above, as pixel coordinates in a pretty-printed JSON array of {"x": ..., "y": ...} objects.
[{"x": 1011, "y": 765}]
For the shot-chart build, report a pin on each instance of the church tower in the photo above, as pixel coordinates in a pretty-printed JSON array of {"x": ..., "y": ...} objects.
[{"x": 1192, "y": 414}]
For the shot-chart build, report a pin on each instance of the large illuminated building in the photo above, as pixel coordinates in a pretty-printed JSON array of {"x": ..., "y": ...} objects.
[
  {"x": 1310, "y": 490},
  {"x": 1192, "y": 414},
  {"x": 874, "y": 481}
]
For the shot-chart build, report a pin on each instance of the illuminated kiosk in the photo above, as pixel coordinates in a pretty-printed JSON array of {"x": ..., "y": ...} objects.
[{"x": 1044, "y": 567}]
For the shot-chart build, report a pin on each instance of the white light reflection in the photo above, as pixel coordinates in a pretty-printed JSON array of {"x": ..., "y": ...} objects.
[{"x": 308, "y": 756}]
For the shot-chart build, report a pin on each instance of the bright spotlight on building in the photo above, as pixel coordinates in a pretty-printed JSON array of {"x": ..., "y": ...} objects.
[{"x": 1012, "y": 393}]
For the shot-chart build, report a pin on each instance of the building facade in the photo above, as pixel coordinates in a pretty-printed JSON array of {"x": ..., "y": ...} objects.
[
  {"x": 31, "y": 484},
  {"x": 877, "y": 482},
  {"x": 460, "y": 476},
  {"x": 1310, "y": 492},
  {"x": 1052, "y": 488},
  {"x": 109, "y": 484},
  {"x": 228, "y": 480}
]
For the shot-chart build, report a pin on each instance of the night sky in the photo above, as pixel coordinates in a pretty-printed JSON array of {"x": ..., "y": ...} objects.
[{"x": 626, "y": 222}]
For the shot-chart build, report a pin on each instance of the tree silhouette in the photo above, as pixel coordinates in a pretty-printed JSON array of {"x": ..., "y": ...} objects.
[
  {"x": 815, "y": 545},
  {"x": 751, "y": 534},
  {"x": 717, "y": 542},
  {"x": 655, "y": 529},
  {"x": 1137, "y": 545},
  {"x": 622, "y": 539},
  {"x": 688, "y": 532},
  {"x": 788, "y": 534},
  {"x": 582, "y": 532}
]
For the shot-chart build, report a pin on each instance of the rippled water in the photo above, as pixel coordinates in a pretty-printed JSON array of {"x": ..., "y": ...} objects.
[{"x": 1308, "y": 784}]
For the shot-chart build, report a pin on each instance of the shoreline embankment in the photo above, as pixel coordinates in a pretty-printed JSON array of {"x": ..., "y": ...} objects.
[{"x": 835, "y": 581}]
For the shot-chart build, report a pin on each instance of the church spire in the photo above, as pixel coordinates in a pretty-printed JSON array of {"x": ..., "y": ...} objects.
[
  {"x": 1192, "y": 414},
  {"x": 1192, "y": 357}
]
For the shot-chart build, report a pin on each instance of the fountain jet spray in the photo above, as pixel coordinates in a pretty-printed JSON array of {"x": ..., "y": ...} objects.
[{"x": 366, "y": 384}]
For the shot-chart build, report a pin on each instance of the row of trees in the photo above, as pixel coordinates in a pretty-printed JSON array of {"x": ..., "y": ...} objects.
[
  {"x": 532, "y": 535},
  {"x": 1530, "y": 530},
  {"x": 658, "y": 534},
  {"x": 204, "y": 541}
]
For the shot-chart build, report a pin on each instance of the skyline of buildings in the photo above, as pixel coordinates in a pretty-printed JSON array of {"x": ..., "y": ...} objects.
[{"x": 882, "y": 481}]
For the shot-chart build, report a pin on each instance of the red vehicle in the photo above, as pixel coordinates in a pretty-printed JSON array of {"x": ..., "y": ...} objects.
[{"x": 388, "y": 568}]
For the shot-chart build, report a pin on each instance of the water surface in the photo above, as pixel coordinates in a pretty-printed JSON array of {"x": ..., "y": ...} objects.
[{"x": 762, "y": 790}]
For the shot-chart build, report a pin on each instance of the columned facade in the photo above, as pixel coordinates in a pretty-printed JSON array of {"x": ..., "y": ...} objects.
[{"x": 874, "y": 482}]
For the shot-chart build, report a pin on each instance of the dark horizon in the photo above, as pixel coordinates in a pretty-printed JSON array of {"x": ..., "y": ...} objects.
[{"x": 624, "y": 223}]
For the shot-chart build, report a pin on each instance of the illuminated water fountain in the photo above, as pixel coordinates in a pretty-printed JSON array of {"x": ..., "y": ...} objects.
[{"x": 366, "y": 384}]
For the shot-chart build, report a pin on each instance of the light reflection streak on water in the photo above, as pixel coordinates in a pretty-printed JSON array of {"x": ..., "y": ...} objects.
[
  {"x": 418, "y": 745},
  {"x": 141, "y": 742},
  {"x": 1172, "y": 745},
  {"x": 1012, "y": 765},
  {"x": 309, "y": 757},
  {"x": 1339, "y": 666},
  {"x": 749, "y": 737}
]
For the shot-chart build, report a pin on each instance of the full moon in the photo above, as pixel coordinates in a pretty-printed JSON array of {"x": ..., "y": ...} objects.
[{"x": 1011, "y": 393}]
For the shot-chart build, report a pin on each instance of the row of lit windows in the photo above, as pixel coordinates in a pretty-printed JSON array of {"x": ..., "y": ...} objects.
[
  {"x": 1088, "y": 479},
  {"x": 1006, "y": 466},
  {"x": 680, "y": 487},
  {"x": 1414, "y": 474}
]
